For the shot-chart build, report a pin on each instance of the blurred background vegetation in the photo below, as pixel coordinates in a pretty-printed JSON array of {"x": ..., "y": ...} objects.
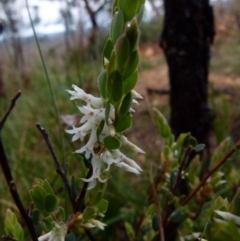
[{"x": 74, "y": 57}]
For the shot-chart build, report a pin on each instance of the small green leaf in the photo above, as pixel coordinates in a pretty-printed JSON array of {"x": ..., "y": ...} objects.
[
  {"x": 140, "y": 15},
  {"x": 73, "y": 188},
  {"x": 18, "y": 232},
  {"x": 130, "y": 82},
  {"x": 47, "y": 186},
  {"x": 179, "y": 215},
  {"x": 112, "y": 66},
  {"x": 35, "y": 216},
  {"x": 97, "y": 198},
  {"x": 125, "y": 105},
  {"x": 100, "y": 128},
  {"x": 111, "y": 142},
  {"x": 48, "y": 223},
  {"x": 115, "y": 87},
  {"x": 193, "y": 142},
  {"x": 88, "y": 214},
  {"x": 155, "y": 224},
  {"x": 50, "y": 203},
  {"x": 107, "y": 51},
  {"x": 132, "y": 34},
  {"x": 38, "y": 195},
  {"x": 199, "y": 147},
  {"x": 236, "y": 203},
  {"x": 130, "y": 231},
  {"x": 102, "y": 83},
  {"x": 122, "y": 49},
  {"x": 129, "y": 8},
  {"x": 102, "y": 206},
  {"x": 124, "y": 123},
  {"x": 117, "y": 25},
  {"x": 131, "y": 64}
]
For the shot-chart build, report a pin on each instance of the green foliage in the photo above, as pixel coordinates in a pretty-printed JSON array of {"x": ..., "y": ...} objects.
[{"x": 12, "y": 226}]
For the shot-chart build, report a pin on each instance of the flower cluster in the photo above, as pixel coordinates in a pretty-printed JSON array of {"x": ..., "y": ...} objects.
[{"x": 94, "y": 149}]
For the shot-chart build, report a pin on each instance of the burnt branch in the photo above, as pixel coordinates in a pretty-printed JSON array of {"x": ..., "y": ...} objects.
[
  {"x": 9, "y": 177},
  {"x": 59, "y": 169}
]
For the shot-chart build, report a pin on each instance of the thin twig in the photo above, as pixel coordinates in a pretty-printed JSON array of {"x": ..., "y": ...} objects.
[
  {"x": 81, "y": 196},
  {"x": 179, "y": 176},
  {"x": 210, "y": 172},
  {"x": 13, "y": 102},
  {"x": 9, "y": 178},
  {"x": 7, "y": 237},
  {"x": 59, "y": 169},
  {"x": 158, "y": 209}
]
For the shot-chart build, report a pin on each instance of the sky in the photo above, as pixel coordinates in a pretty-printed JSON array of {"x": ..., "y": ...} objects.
[{"x": 51, "y": 20}]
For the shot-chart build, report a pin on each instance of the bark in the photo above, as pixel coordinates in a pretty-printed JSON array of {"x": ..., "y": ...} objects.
[{"x": 187, "y": 34}]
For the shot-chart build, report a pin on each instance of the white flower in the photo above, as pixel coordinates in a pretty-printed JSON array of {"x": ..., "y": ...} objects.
[
  {"x": 93, "y": 114},
  {"x": 92, "y": 223}
]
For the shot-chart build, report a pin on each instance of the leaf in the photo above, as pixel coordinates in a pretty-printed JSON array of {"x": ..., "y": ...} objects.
[
  {"x": 124, "y": 123},
  {"x": 38, "y": 195},
  {"x": 130, "y": 231},
  {"x": 125, "y": 105},
  {"x": 130, "y": 82},
  {"x": 18, "y": 232},
  {"x": 117, "y": 25},
  {"x": 102, "y": 206},
  {"x": 111, "y": 142},
  {"x": 131, "y": 64},
  {"x": 100, "y": 128},
  {"x": 132, "y": 34},
  {"x": 88, "y": 213},
  {"x": 97, "y": 198},
  {"x": 129, "y": 8},
  {"x": 155, "y": 224},
  {"x": 199, "y": 147},
  {"x": 107, "y": 51},
  {"x": 122, "y": 49},
  {"x": 102, "y": 84},
  {"x": 35, "y": 216},
  {"x": 50, "y": 203},
  {"x": 48, "y": 223},
  {"x": 47, "y": 186},
  {"x": 115, "y": 87},
  {"x": 112, "y": 66},
  {"x": 140, "y": 15},
  {"x": 179, "y": 215},
  {"x": 236, "y": 203}
]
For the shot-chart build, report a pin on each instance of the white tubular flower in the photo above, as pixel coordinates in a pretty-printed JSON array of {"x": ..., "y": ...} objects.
[
  {"x": 92, "y": 223},
  {"x": 93, "y": 115}
]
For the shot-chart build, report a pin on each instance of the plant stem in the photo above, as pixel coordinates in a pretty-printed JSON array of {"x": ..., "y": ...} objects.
[
  {"x": 80, "y": 198},
  {"x": 59, "y": 169},
  {"x": 210, "y": 172},
  {"x": 9, "y": 178}
]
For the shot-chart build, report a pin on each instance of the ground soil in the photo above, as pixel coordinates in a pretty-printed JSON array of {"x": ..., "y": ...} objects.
[{"x": 154, "y": 86}]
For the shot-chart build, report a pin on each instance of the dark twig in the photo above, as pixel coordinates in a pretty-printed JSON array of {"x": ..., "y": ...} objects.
[
  {"x": 9, "y": 178},
  {"x": 210, "y": 172},
  {"x": 7, "y": 237},
  {"x": 180, "y": 169},
  {"x": 59, "y": 169},
  {"x": 13, "y": 102},
  {"x": 81, "y": 196}
]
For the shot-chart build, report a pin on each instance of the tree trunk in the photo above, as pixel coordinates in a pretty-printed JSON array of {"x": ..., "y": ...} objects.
[{"x": 187, "y": 34}]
